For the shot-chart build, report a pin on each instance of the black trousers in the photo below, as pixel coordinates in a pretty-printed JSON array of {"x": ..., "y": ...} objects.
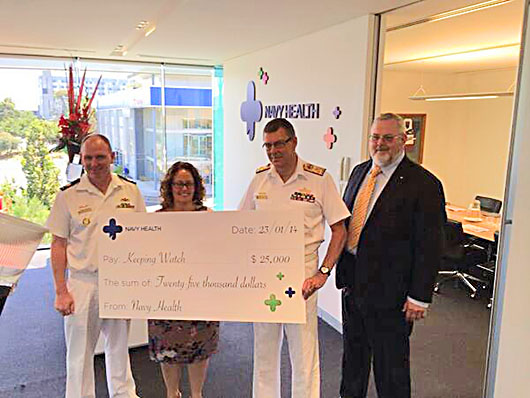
[
  {"x": 4, "y": 292},
  {"x": 378, "y": 335}
]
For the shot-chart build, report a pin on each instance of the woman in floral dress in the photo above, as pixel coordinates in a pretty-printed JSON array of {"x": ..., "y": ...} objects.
[{"x": 174, "y": 343}]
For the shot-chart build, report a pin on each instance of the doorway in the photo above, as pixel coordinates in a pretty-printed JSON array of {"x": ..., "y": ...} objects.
[{"x": 450, "y": 69}]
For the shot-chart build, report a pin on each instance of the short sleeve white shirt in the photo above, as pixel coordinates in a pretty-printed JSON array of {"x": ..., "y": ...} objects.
[
  {"x": 74, "y": 216},
  {"x": 310, "y": 188}
]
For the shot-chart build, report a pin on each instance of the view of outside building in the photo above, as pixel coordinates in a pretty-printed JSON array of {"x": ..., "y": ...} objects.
[{"x": 154, "y": 115}]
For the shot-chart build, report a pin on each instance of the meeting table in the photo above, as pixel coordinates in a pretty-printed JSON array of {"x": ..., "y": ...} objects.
[{"x": 482, "y": 227}]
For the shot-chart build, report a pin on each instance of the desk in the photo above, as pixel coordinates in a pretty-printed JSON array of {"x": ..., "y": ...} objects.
[{"x": 484, "y": 229}]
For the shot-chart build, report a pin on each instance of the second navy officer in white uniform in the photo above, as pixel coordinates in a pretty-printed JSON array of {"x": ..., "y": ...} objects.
[{"x": 290, "y": 182}]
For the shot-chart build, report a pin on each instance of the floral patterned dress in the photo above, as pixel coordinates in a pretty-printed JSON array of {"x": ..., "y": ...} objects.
[{"x": 182, "y": 342}]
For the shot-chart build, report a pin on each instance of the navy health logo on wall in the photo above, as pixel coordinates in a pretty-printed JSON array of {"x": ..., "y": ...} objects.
[
  {"x": 251, "y": 110},
  {"x": 113, "y": 229}
]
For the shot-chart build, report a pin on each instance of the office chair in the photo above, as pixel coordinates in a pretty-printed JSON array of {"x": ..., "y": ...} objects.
[
  {"x": 487, "y": 269},
  {"x": 458, "y": 256},
  {"x": 489, "y": 204}
]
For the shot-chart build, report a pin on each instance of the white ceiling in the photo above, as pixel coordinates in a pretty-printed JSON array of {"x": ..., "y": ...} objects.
[
  {"x": 211, "y": 32},
  {"x": 483, "y": 40},
  {"x": 187, "y": 31}
]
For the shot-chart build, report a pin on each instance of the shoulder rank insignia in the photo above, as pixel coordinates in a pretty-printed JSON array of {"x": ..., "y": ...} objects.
[
  {"x": 126, "y": 179},
  {"x": 263, "y": 168},
  {"x": 71, "y": 184},
  {"x": 311, "y": 168}
]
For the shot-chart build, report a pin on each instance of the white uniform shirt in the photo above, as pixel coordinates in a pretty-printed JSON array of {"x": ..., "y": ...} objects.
[
  {"x": 74, "y": 217},
  {"x": 310, "y": 188}
]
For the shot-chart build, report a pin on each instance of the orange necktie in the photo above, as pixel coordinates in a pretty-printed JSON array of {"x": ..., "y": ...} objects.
[{"x": 360, "y": 209}]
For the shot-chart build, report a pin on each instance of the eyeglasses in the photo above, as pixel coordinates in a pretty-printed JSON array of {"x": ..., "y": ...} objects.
[
  {"x": 99, "y": 158},
  {"x": 388, "y": 138},
  {"x": 180, "y": 184},
  {"x": 280, "y": 144}
]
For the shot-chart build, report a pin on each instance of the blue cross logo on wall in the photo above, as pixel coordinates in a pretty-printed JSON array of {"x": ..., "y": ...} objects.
[
  {"x": 112, "y": 229},
  {"x": 251, "y": 110}
]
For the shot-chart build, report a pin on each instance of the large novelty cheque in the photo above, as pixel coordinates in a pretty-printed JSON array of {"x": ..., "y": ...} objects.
[{"x": 232, "y": 266}]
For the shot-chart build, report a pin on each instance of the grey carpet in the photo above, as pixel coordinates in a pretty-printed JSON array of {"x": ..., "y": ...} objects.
[{"x": 448, "y": 351}]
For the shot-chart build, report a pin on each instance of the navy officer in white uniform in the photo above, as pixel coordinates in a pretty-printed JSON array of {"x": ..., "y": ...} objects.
[
  {"x": 289, "y": 182},
  {"x": 73, "y": 224}
]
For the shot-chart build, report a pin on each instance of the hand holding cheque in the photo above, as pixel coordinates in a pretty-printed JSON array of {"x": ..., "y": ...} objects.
[{"x": 235, "y": 266}]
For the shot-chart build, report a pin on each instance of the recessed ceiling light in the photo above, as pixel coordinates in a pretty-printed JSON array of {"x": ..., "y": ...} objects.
[
  {"x": 502, "y": 51},
  {"x": 141, "y": 25},
  {"x": 119, "y": 50},
  {"x": 151, "y": 30},
  {"x": 453, "y": 13}
]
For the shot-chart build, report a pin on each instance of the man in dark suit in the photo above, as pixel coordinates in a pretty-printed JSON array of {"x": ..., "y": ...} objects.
[
  {"x": 388, "y": 267},
  {"x": 4, "y": 292}
]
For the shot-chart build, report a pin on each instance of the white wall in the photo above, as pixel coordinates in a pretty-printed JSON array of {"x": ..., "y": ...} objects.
[
  {"x": 328, "y": 67},
  {"x": 466, "y": 142}
]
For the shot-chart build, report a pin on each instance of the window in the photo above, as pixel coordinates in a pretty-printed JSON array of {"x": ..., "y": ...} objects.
[{"x": 153, "y": 115}]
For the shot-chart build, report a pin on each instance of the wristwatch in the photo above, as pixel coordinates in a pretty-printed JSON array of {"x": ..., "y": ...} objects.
[{"x": 325, "y": 270}]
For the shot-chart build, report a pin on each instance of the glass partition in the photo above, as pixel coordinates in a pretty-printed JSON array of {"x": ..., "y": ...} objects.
[
  {"x": 153, "y": 114},
  {"x": 188, "y": 100},
  {"x": 126, "y": 114}
]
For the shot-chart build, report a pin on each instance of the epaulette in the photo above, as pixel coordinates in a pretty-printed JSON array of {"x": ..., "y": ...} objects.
[
  {"x": 71, "y": 184},
  {"x": 263, "y": 168},
  {"x": 311, "y": 168},
  {"x": 126, "y": 179}
]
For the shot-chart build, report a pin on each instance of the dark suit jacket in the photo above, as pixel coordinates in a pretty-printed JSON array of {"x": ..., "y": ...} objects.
[{"x": 400, "y": 245}]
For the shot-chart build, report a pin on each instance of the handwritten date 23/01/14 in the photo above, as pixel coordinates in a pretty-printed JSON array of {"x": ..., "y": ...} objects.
[{"x": 276, "y": 229}]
